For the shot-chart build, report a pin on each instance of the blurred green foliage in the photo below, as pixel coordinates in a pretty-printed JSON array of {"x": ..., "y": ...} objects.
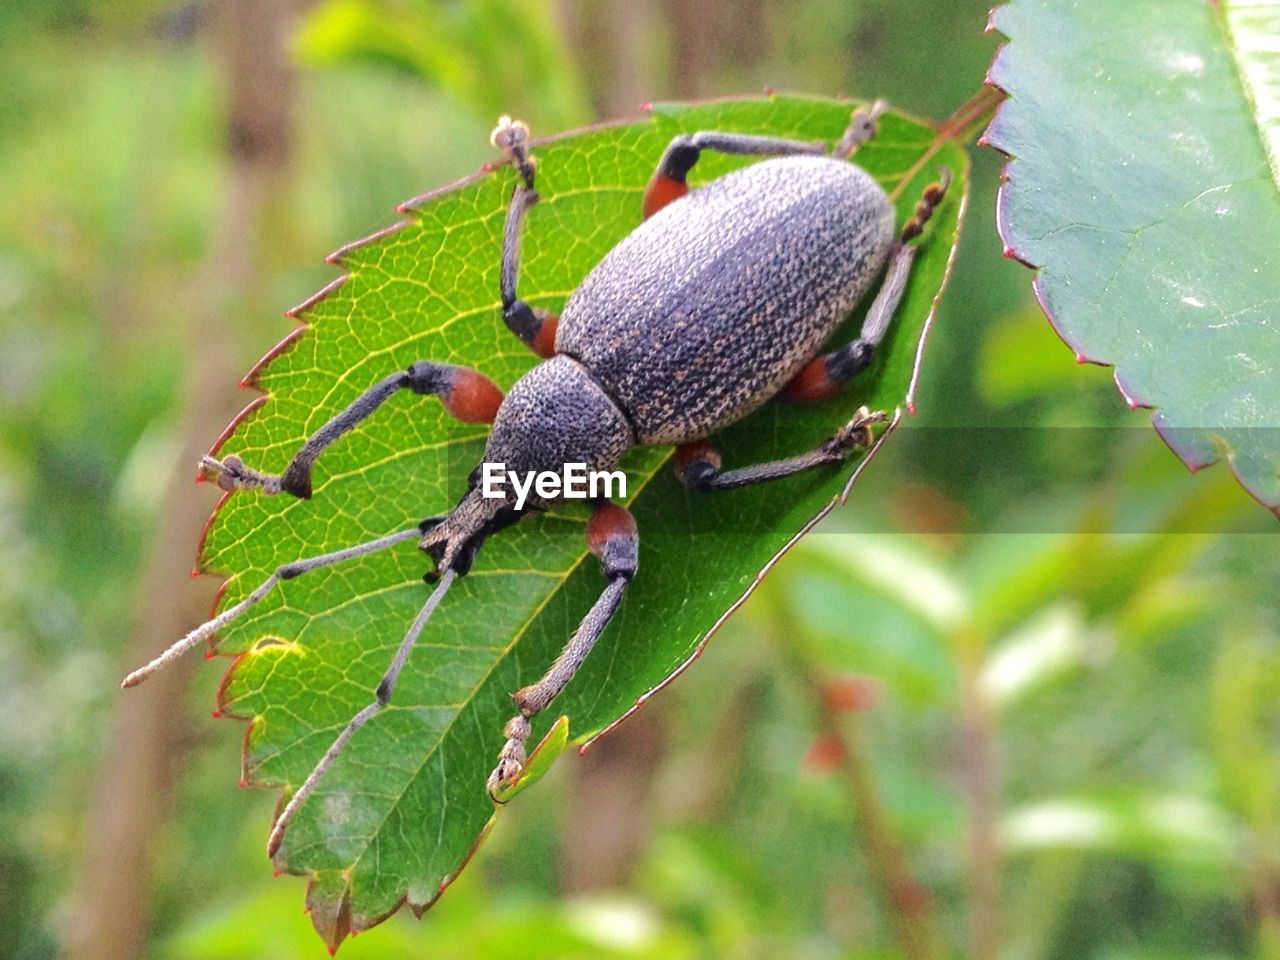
[{"x": 1010, "y": 570}]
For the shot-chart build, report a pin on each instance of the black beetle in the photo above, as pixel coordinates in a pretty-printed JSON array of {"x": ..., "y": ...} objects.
[{"x": 719, "y": 301}]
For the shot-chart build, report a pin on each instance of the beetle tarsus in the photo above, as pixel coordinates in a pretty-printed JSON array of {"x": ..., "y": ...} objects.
[
  {"x": 929, "y": 201},
  {"x": 231, "y": 473},
  {"x": 854, "y": 435},
  {"x": 512, "y": 138},
  {"x": 512, "y": 757},
  {"x": 862, "y": 127}
]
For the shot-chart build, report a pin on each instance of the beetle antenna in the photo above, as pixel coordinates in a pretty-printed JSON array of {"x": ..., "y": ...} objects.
[
  {"x": 284, "y": 572},
  {"x": 382, "y": 697}
]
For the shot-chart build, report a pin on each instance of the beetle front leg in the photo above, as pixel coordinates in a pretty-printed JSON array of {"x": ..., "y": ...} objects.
[
  {"x": 698, "y": 463},
  {"x": 467, "y": 394},
  {"x": 611, "y": 536},
  {"x": 533, "y": 325},
  {"x": 823, "y": 376}
]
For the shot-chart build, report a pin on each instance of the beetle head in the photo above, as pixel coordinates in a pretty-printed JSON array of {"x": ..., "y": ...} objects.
[{"x": 452, "y": 541}]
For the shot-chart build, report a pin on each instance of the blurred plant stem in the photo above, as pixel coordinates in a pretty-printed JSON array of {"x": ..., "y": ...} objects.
[
  {"x": 691, "y": 44},
  {"x": 982, "y": 797},
  {"x": 907, "y": 900},
  {"x": 131, "y": 798},
  {"x": 609, "y": 817},
  {"x": 972, "y": 115}
]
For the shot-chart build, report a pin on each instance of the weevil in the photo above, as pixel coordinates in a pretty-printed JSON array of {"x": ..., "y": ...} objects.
[{"x": 722, "y": 299}]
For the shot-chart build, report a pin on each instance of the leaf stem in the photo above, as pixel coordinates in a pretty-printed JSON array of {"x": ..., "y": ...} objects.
[
  {"x": 907, "y": 899},
  {"x": 972, "y": 114},
  {"x": 981, "y": 785}
]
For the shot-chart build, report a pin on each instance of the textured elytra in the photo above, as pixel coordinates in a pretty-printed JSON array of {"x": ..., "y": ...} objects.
[
  {"x": 706, "y": 310},
  {"x": 401, "y": 810}
]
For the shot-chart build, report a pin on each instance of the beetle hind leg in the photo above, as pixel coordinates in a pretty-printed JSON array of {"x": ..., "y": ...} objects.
[{"x": 822, "y": 377}]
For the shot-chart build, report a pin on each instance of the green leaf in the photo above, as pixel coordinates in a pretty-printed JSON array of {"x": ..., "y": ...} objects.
[
  {"x": 1140, "y": 189},
  {"x": 398, "y": 813},
  {"x": 455, "y": 47}
]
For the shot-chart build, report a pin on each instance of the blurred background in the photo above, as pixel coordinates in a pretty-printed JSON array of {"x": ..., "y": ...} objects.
[{"x": 1019, "y": 699}]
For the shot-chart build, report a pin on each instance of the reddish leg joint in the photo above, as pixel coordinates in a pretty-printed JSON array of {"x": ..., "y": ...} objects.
[
  {"x": 662, "y": 190},
  {"x": 544, "y": 341},
  {"x": 812, "y": 384},
  {"x": 609, "y": 522},
  {"x": 696, "y": 461},
  {"x": 471, "y": 396}
]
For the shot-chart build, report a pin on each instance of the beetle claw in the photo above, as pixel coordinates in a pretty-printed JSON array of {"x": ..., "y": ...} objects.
[
  {"x": 511, "y": 759},
  {"x": 857, "y": 433},
  {"x": 512, "y": 138},
  {"x": 230, "y": 473},
  {"x": 504, "y": 775}
]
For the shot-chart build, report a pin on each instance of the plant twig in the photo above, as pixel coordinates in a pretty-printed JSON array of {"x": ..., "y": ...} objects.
[
  {"x": 906, "y": 898},
  {"x": 981, "y": 778},
  {"x": 971, "y": 114}
]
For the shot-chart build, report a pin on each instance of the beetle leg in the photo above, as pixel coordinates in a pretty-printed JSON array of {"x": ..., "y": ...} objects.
[
  {"x": 534, "y": 325},
  {"x": 467, "y": 394},
  {"x": 285, "y": 571},
  {"x": 929, "y": 201},
  {"x": 823, "y": 376},
  {"x": 862, "y": 127},
  {"x": 669, "y": 180},
  {"x": 611, "y": 535},
  {"x": 698, "y": 464},
  {"x": 512, "y": 138},
  {"x": 381, "y": 697}
]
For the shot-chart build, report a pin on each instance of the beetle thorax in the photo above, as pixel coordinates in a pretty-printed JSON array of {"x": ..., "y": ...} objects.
[{"x": 557, "y": 414}]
